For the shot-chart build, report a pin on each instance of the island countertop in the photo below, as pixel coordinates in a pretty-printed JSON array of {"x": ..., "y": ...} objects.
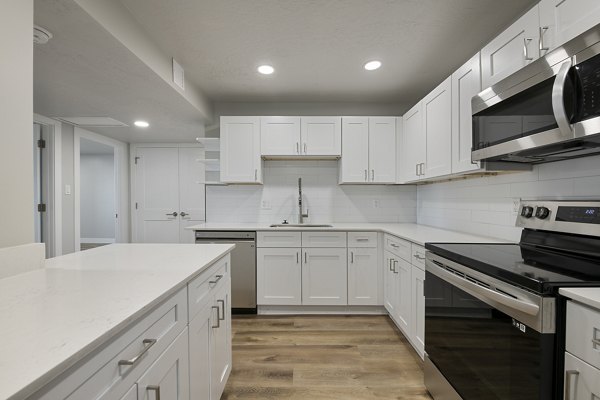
[{"x": 55, "y": 316}]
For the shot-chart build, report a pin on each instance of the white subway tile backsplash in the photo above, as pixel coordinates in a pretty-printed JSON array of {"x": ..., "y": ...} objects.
[
  {"x": 485, "y": 205},
  {"x": 326, "y": 200}
]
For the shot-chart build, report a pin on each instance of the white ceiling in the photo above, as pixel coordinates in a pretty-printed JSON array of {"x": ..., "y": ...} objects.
[{"x": 318, "y": 47}]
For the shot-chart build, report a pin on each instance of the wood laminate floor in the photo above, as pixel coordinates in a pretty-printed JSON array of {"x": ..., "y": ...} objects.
[{"x": 322, "y": 357}]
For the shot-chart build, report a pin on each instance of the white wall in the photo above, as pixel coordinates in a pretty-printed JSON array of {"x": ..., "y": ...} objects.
[
  {"x": 16, "y": 113},
  {"x": 327, "y": 201},
  {"x": 97, "y": 196},
  {"x": 485, "y": 205},
  {"x": 68, "y": 200}
]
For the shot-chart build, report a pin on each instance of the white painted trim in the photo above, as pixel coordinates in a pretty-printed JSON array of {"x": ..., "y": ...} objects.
[
  {"x": 97, "y": 240},
  {"x": 321, "y": 310},
  {"x": 132, "y": 177},
  {"x": 121, "y": 179},
  {"x": 55, "y": 184}
]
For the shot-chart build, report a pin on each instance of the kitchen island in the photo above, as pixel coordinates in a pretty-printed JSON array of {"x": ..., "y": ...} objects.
[{"x": 75, "y": 327}]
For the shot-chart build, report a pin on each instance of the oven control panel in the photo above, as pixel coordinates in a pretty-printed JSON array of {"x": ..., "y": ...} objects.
[{"x": 580, "y": 217}]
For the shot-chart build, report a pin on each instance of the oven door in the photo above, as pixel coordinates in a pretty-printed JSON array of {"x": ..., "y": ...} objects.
[{"x": 485, "y": 337}]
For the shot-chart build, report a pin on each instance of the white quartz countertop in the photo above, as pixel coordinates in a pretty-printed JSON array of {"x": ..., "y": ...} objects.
[
  {"x": 585, "y": 295},
  {"x": 55, "y": 316},
  {"x": 415, "y": 233}
]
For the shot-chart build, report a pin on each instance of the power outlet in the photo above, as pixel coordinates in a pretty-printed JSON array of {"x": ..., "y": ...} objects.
[
  {"x": 376, "y": 203},
  {"x": 515, "y": 206}
]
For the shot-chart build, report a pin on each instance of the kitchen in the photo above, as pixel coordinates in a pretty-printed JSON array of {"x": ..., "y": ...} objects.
[{"x": 311, "y": 200}]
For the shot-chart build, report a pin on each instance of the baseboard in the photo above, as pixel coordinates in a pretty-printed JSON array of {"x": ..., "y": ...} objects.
[{"x": 321, "y": 310}]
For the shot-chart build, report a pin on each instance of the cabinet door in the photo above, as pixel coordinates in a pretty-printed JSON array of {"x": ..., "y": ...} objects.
[
  {"x": 280, "y": 136},
  {"x": 168, "y": 377},
  {"x": 582, "y": 380},
  {"x": 240, "y": 150},
  {"x": 413, "y": 149},
  {"x": 278, "y": 276},
  {"x": 511, "y": 50},
  {"x": 220, "y": 346},
  {"x": 200, "y": 329},
  {"x": 437, "y": 124},
  {"x": 324, "y": 277},
  {"x": 466, "y": 83},
  {"x": 382, "y": 149},
  {"x": 131, "y": 394},
  {"x": 403, "y": 270},
  {"x": 389, "y": 284},
  {"x": 354, "y": 164},
  {"x": 363, "y": 282},
  {"x": 562, "y": 20},
  {"x": 321, "y": 136},
  {"x": 418, "y": 310},
  {"x": 400, "y": 167},
  {"x": 157, "y": 195},
  {"x": 191, "y": 191}
]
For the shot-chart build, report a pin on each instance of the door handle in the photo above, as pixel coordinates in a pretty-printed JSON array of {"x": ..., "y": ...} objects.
[
  {"x": 155, "y": 389},
  {"x": 218, "y": 317},
  {"x": 183, "y": 214},
  {"x": 222, "y": 318},
  {"x": 569, "y": 374},
  {"x": 558, "y": 99},
  {"x": 173, "y": 214},
  {"x": 526, "y": 50},
  {"x": 543, "y": 30}
]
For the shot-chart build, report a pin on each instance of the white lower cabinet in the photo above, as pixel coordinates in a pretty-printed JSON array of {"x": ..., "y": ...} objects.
[
  {"x": 390, "y": 291},
  {"x": 168, "y": 377},
  {"x": 324, "y": 276},
  {"x": 200, "y": 334},
  {"x": 220, "y": 343},
  {"x": 417, "y": 325},
  {"x": 363, "y": 274},
  {"x": 131, "y": 394},
  {"x": 402, "y": 270},
  {"x": 279, "y": 276}
]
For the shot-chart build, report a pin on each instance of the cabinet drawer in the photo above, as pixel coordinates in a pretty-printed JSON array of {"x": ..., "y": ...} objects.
[
  {"x": 398, "y": 247},
  {"x": 105, "y": 375},
  {"x": 418, "y": 256},
  {"x": 362, "y": 239},
  {"x": 324, "y": 239},
  {"x": 199, "y": 289},
  {"x": 583, "y": 333},
  {"x": 582, "y": 381},
  {"x": 278, "y": 239}
]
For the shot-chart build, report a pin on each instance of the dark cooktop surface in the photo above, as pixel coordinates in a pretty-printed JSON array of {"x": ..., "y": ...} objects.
[{"x": 539, "y": 270}]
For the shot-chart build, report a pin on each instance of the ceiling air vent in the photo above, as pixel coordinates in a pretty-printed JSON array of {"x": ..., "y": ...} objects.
[{"x": 98, "y": 122}]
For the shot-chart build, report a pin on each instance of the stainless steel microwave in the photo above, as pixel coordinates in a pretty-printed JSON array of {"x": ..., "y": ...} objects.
[{"x": 547, "y": 111}]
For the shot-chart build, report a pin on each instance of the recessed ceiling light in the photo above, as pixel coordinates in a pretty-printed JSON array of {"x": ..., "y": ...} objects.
[
  {"x": 141, "y": 124},
  {"x": 372, "y": 65},
  {"x": 266, "y": 69}
]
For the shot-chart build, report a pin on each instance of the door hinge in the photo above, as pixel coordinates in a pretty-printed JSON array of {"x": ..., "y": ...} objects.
[
  {"x": 41, "y": 144},
  {"x": 135, "y": 160},
  {"x": 41, "y": 207}
]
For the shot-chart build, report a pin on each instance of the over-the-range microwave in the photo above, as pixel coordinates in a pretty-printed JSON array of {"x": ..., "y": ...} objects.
[{"x": 547, "y": 111}]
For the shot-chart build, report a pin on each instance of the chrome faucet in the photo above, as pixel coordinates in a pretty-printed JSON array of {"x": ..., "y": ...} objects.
[{"x": 301, "y": 215}]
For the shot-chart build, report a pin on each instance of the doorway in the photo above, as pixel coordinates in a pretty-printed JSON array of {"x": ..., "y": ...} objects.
[{"x": 97, "y": 194}]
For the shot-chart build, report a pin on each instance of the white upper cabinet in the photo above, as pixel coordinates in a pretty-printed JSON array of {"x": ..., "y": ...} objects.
[
  {"x": 368, "y": 150},
  {"x": 413, "y": 144},
  {"x": 240, "y": 150},
  {"x": 321, "y": 136},
  {"x": 437, "y": 126},
  {"x": 562, "y": 20},
  {"x": 466, "y": 83},
  {"x": 354, "y": 164},
  {"x": 280, "y": 136},
  {"x": 399, "y": 152},
  {"x": 511, "y": 50},
  {"x": 382, "y": 149}
]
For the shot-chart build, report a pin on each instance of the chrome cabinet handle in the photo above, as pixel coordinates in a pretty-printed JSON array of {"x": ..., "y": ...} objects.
[
  {"x": 155, "y": 389},
  {"x": 362, "y": 239},
  {"x": 543, "y": 30},
  {"x": 255, "y": 174},
  {"x": 305, "y": 148},
  {"x": 173, "y": 214},
  {"x": 596, "y": 342},
  {"x": 305, "y": 257},
  {"x": 366, "y": 175},
  {"x": 297, "y": 257},
  {"x": 418, "y": 257},
  {"x": 569, "y": 374},
  {"x": 372, "y": 175},
  {"x": 222, "y": 318},
  {"x": 183, "y": 214},
  {"x": 390, "y": 264},
  {"x": 558, "y": 103},
  {"x": 394, "y": 245},
  {"x": 218, "y": 317},
  {"x": 417, "y": 169},
  {"x": 297, "y": 148},
  {"x": 525, "y": 50},
  {"x": 148, "y": 343},
  {"x": 352, "y": 257},
  {"x": 395, "y": 262},
  {"x": 216, "y": 280}
]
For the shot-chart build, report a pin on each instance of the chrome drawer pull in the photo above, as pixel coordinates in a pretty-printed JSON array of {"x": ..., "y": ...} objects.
[
  {"x": 218, "y": 317},
  {"x": 418, "y": 257},
  {"x": 395, "y": 262},
  {"x": 222, "y": 317},
  {"x": 155, "y": 389},
  {"x": 216, "y": 280},
  {"x": 362, "y": 239},
  {"x": 147, "y": 344},
  {"x": 569, "y": 374},
  {"x": 394, "y": 245},
  {"x": 596, "y": 342}
]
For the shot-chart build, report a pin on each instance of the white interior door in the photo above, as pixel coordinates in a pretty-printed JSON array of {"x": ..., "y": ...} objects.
[
  {"x": 382, "y": 149},
  {"x": 280, "y": 136},
  {"x": 355, "y": 150},
  {"x": 157, "y": 195},
  {"x": 192, "y": 204}
]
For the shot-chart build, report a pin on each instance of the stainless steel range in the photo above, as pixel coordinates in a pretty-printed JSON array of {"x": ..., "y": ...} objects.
[{"x": 494, "y": 322}]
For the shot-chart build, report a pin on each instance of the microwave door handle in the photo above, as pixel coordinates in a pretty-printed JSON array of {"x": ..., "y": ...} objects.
[{"x": 558, "y": 103}]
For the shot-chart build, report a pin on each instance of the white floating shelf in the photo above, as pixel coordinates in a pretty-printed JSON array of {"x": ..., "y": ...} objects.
[
  {"x": 211, "y": 164},
  {"x": 210, "y": 144},
  {"x": 213, "y": 183}
]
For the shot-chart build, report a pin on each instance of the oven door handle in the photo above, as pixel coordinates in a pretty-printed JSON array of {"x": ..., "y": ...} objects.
[
  {"x": 478, "y": 290},
  {"x": 558, "y": 99}
]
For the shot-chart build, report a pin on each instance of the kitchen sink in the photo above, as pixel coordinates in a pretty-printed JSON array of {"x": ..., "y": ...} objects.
[{"x": 301, "y": 226}]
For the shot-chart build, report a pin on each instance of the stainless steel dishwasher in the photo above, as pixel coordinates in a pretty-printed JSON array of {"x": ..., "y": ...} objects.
[{"x": 243, "y": 266}]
